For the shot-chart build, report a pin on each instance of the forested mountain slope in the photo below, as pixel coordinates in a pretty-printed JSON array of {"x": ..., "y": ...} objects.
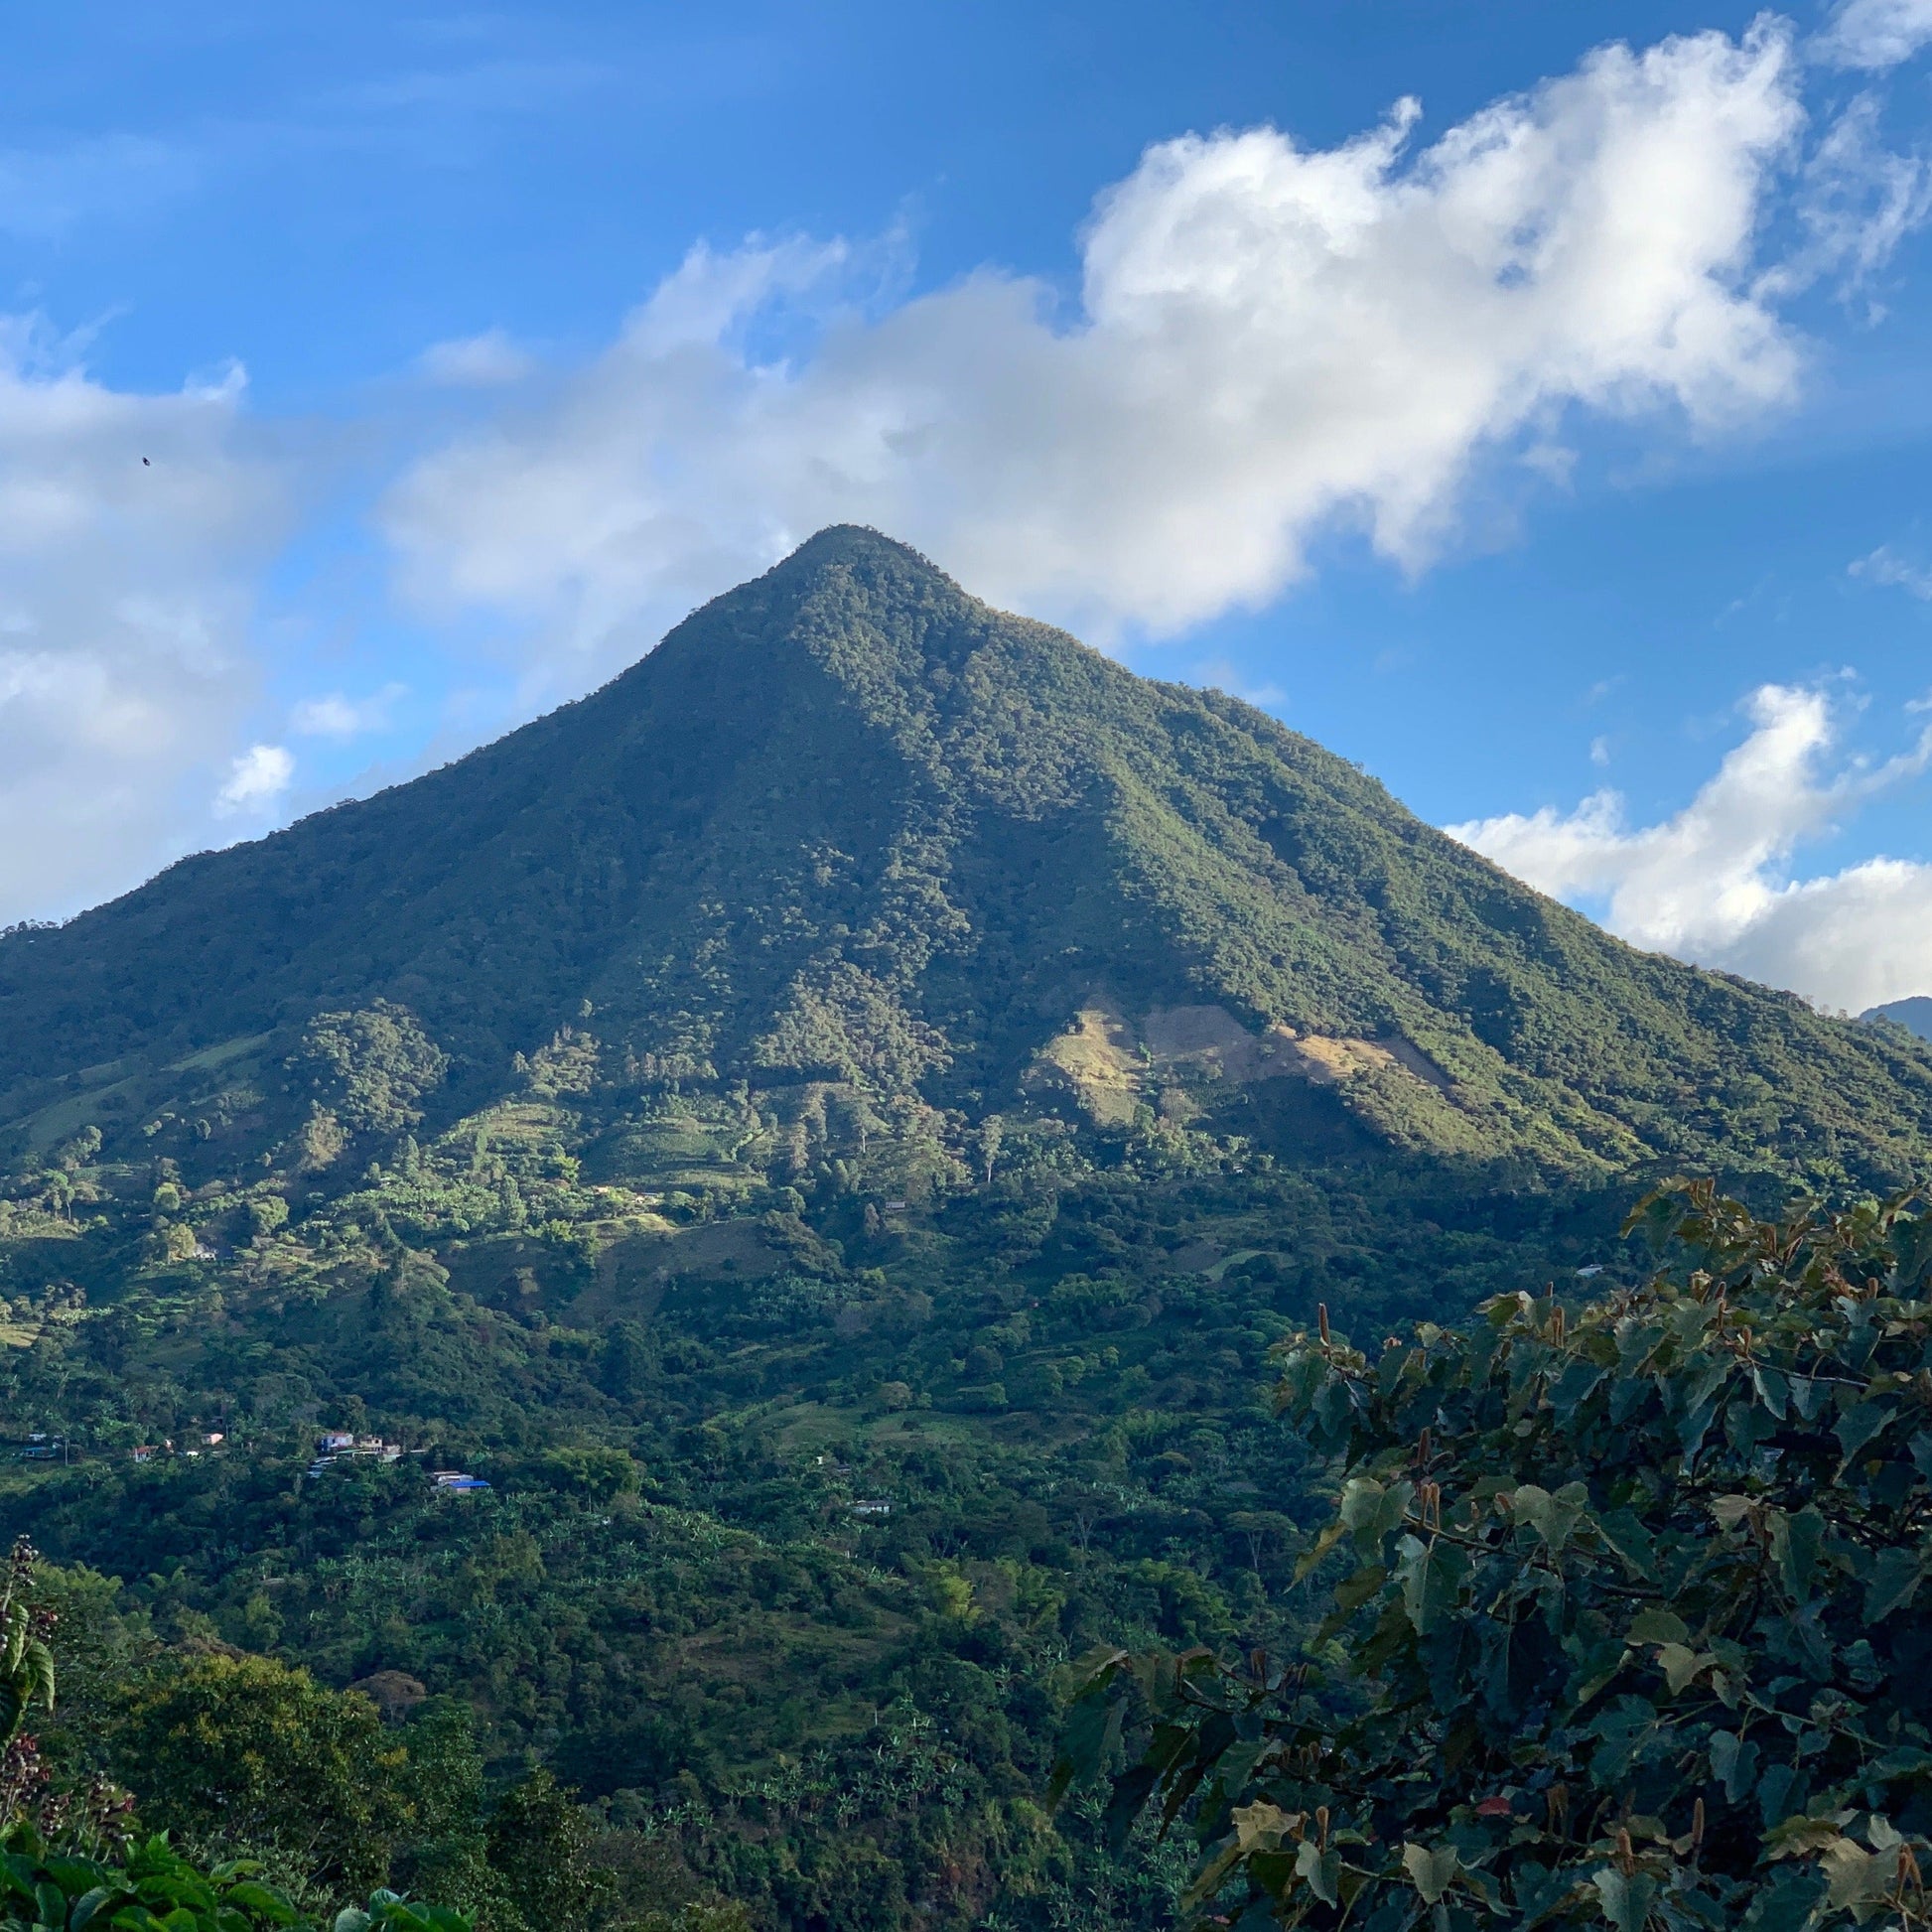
[
  {"x": 828, "y": 1129},
  {"x": 847, "y": 824}
]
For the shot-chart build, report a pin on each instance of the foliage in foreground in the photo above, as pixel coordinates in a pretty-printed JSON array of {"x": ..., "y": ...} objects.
[
  {"x": 1624, "y": 1629},
  {"x": 98, "y": 1870},
  {"x": 151, "y": 1889}
]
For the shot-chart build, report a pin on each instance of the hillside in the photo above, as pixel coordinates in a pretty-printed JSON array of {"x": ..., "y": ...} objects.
[
  {"x": 1914, "y": 1015},
  {"x": 848, "y": 825},
  {"x": 828, "y": 1128}
]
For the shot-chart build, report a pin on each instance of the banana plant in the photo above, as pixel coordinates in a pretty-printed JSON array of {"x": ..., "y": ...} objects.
[{"x": 26, "y": 1663}]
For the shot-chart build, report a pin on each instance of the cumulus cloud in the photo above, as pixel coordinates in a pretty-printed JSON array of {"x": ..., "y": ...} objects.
[
  {"x": 1269, "y": 337},
  {"x": 257, "y": 781},
  {"x": 125, "y": 593},
  {"x": 1713, "y": 884},
  {"x": 1876, "y": 34}
]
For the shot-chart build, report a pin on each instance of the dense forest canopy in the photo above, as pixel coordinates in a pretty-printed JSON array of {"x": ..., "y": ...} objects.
[{"x": 637, "y": 1302}]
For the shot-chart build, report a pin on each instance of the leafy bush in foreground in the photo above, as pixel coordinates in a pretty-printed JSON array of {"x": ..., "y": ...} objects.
[
  {"x": 152, "y": 1890},
  {"x": 1625, "y": 1628}
]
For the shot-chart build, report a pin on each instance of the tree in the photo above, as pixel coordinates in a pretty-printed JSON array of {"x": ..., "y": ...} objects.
[
  {"x": 987, "y": 1145},
  {"x": 241, "y": 1754},
  {"x": 1258, "y": 1528},
  {"x": 539, "y": 1840},
  {"x": 1619, "y": 1612},
  {"x": 75, "y": 1859},
  {"x": 623, "y": 1360},
  {"x": 371, "y": 1067}
]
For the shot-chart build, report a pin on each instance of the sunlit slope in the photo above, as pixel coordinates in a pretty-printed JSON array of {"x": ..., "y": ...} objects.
[{"x": 849, "y": 824}]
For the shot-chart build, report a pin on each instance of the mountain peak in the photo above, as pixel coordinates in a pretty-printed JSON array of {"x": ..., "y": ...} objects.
[
  {"x": 850, "y": 826},
  {"x": 855, "y": 544}
]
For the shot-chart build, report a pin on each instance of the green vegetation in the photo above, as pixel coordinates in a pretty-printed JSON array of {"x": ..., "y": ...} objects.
[
  {"x": 848, "y": 826},
  {"x": 1624, "y": 1629},
  {"x": 74, "y": 1856},
  {"x": 828, "y": 1131}
]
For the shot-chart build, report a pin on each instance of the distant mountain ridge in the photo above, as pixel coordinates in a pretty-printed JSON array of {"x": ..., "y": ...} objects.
[
  {"x": 1913, "y": 1013},
  {"x": 848, "y": 825}
]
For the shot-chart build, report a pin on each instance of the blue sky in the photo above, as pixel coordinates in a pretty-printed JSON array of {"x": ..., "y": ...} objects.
[{"x": 1556, "y": 447}]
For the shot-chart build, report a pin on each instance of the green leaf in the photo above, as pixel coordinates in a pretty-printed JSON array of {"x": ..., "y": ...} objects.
[
  {"x": 1319, "y": 1548},
  {"x": 1773, "y": 1389},
  {"x": 89, "y": 1905},
  {"x": 1430, "y": 1574},
  {"x": 1894, "y": 1580},
  {"x": 1355, "y": 1590},
  {"x": 1856, "y": 1878},
  {"x": 1795, "y": 1543},
  {"x": 1858, "y": 1425},
  {"x": 1629, "y": 1541},
  {"x": 1553, "y": 1517},
  {"x": 1369, "y": 1511},
  {"x": 265, "y": 1901},
  {"x": 1577, "y": 1382},
  {"x": 1734, "y": 1762},
  {"x": 1090, "y": 1733},
  {"x": 1430, "y": 1872},
  {"x": 1679, "y": 1664},
  {"x": 1351, "y": 1595},
  {"x": 1658, "y": 1627},
  {"x": 1785, "y": 1902},
  {"x": 1626, "y": 1899},
  {"x": 1319, "y": 1870}
]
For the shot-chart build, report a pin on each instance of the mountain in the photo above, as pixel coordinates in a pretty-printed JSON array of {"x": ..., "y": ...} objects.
[
  {"x": 829, "y": 1130},
  {"x": 1914, "y": 1015},
  {"x": 849, "y": 825}
]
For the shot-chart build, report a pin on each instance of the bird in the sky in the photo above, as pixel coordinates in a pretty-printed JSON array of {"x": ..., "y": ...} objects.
[{"x": 145, "y": 465}]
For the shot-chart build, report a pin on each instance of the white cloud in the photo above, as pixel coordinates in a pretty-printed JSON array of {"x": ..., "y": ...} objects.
[
  {"x": 1712, "y": 884},
  {"x": 125, "y": 604},
  {"x": 1269, "y": 337},
  {"x": 336, "y": 716},
  {"x": 257, "y": 781},
  {"x": 1855, "y": 201},
  {"x": 1885, "y": 566},
  {"x": 484, "y": 362},
  {"x": 1876, "y": 34}
]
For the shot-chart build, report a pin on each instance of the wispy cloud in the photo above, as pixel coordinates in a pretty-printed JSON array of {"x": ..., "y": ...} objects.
[
  {"x": 1885, "y": 565},
  {"x": 486, "y": 361},
  {"x": 337, "y": 716},
  {"x": 1874, "y": 34},
  {"x": 117, "y": 176}
]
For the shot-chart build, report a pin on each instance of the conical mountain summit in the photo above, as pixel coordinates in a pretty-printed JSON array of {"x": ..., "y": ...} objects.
[{"x": 849, "y": 826}]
